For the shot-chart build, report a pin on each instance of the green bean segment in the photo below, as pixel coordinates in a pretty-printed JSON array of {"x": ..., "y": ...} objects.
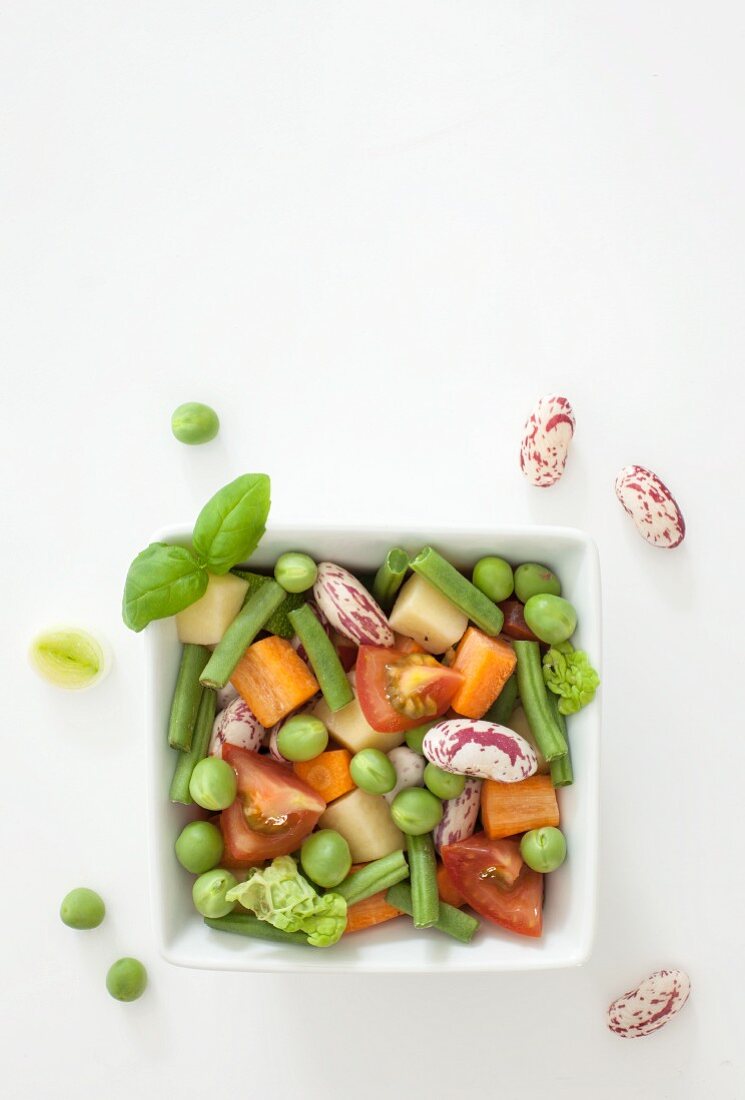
[
  {"x": 456, "y": 588},
  {"x": 425, "y": 901},
  {"x": 241, "y": 632},
  {"x": 374, "y": 877},
  {"x": 187, "y": 761},
  {"x": 390, "y": 577},
  {"x": 453, "y": 922},
  {"x": 324, "y": 660},
  {"x": 534, "y": 698},
  {"x": 246, "y": 924},
  {"x": 186, "y": 696}
]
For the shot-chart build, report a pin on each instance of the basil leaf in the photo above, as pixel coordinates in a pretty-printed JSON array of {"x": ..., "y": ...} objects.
[
  {"x": 161, "y": 580},
  {"x": 230, "y": 525}
]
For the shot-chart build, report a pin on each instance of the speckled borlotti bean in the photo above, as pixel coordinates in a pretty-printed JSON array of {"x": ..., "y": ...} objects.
[
  {"x": 652, "y": 507},
  {"x": 649, "y": 1007},
  {"x": 349, "y": 607},
  {"x": 236, "y": 725},
  {"x": 546, "y": 438},
  {"x": 409, "y": 767},
  {"x": 459, "y": 815},
  {"x": 480, "y": 749},
  {"x": 225, "y": 696}
]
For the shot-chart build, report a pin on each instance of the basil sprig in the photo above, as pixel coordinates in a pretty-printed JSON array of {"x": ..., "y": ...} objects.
[
  {"x": 163, "y": 579},
  {"x": 231, "y": 524}
]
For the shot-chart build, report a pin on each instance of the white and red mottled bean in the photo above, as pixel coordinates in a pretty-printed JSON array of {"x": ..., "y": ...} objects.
[
  {"x": 225, "y": 696},
  {"x": 652, "y": 507},
  {"x": 651, "y": 1005},
  {"x": 480, "y": 749},
  {"x": 349, "y": 607},
  {"x": 546, "y": 438},
  {"x": 273, "y": 744},
  {"x": 459, "y": 815},
  {"x": 409, "y": 767},
  {"x": 236, "y": 725}
]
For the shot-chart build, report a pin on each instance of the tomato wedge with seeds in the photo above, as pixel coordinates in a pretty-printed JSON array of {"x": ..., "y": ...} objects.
[
  {"x": 425, "y": 689},
  {"x": 492, "y": 877},
  {"x": 272, "y": 812}
]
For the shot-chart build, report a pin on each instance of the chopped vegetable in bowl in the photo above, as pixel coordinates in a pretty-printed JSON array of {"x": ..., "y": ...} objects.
[{"x": 368, "y": 761}]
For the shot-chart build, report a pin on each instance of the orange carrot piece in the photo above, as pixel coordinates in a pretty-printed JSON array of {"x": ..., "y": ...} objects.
[
  {"x": 486, "y": 665},
  {"x": 328, "y": 773},
  {"x": 407, "y": 645},
  {"x": 273, "y": 680},
  {"x": 447, "y": 889},
  {"x": 509, "y": 808},
  {"x": 370, "y": 911}
]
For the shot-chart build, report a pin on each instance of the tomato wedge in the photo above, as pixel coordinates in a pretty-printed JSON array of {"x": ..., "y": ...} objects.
[
  {"x": 382, "y": 674},
  {"x": 514, "y": 621},
  {"x": 492, "y": 877},
  {"x": 273, "y": 810}
]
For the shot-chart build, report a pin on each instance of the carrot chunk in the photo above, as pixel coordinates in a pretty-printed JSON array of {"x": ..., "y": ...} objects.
[
  {"x": 509, "y": 808},
  {"x": 273, "y": 680},
  {"x": 486, "y": 665},
  {"x": 328, "y": 773},
  {"x": 370, "y": 911}
]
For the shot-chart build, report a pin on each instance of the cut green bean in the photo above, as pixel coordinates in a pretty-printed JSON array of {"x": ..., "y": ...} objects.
[
  {"x": 390, "y": 577},
  {"x": 323, "y": 657},
  {"x": 278, "y": 622},
  {"x": 425, "y": 899},
  {"x": 186, "y": 696},
  {"x": 562, "y": 774},
  {"x": 456, "y": 588},
  {"x": 453, "y": 922},
  {"x": 374, "y": 877},
  {"x": 534, "y": 699},
  {"x": 200, "y": 742},
  {"x": 241, "y": 632},
  {"x": 503, "y": 706},
  {"x": 246, "y": 924}
]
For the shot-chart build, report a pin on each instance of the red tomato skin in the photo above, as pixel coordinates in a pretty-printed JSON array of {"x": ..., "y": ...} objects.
[
  {"x": 517, "y": 907},
  {"x": 370, "y": 682},
  {"x": 272, "y": 790}
]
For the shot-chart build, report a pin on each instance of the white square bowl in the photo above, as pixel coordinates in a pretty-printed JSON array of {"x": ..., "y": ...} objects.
[{"x": 395, "y": 947}]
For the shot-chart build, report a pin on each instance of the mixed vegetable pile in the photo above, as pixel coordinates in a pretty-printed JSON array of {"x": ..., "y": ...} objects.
[{"x": 362, "y": 746}]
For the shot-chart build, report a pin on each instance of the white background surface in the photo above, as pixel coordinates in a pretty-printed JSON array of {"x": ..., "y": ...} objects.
[{"x": 371, "y": 234}]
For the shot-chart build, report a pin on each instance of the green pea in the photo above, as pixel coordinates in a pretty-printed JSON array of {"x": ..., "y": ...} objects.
[
  {"x": 415, "y": 737},
  {"x": 544, "y": 849},
  {"x": 209, "y": 892},
  {"x": 126, "y": 979},
  {"x": 199, "y": 846},
  {"x": 532, "y": 579},
  {"x": 325, "y": 858},
  {"x": 213, "y": 784},
  {"x": 302, "y": 737},
  {"x": 416, "y": 811},
  {"x": 194, "y": 423},
  {"x": 295, "y": 572},
  {"x": 82, "y": 908},
  {"x": 551, "y": 618},
  {"x": 372, "y": 771},
  {"x": 443, "y": 784},
  {"x": 494, "y": 577}
]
